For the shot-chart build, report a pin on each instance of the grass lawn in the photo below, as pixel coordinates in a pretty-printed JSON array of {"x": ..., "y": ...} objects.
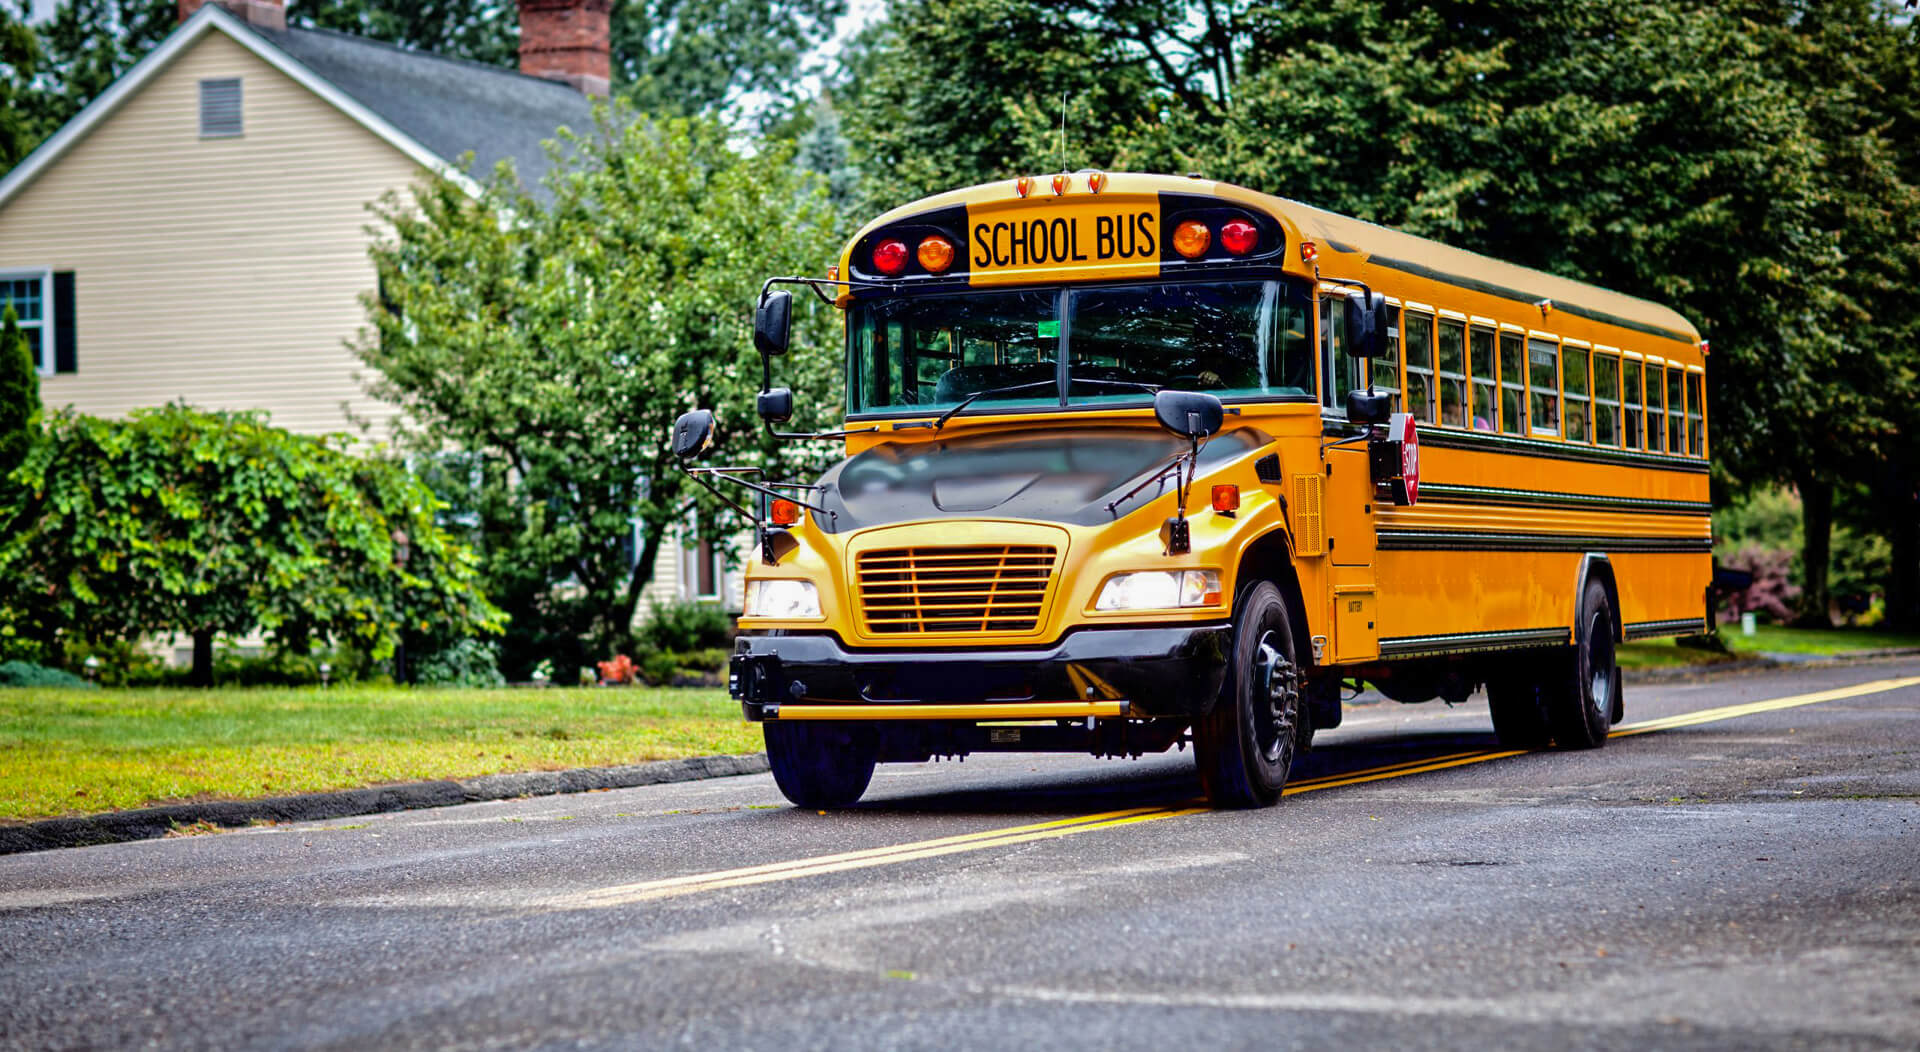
[
  {"x": 82, "y": 751},
  {"x": 1767, "y": 639}
]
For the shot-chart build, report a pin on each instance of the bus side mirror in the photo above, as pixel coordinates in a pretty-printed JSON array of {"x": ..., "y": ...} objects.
[
  {"x": 1189, "y": 414},
  {"x": 1366, "y": 319},
  {"x": 1368, "y": 406},
  {"x": 693, "y": 433},
  {"x": 776, "y": 406},
  {"x": 773, "y": 323}
]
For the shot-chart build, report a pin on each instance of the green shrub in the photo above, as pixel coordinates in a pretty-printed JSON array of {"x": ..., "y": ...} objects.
[
  {"x": 233, "y": 668},
  {"x": 28, "y": 674},
  {"x": 122, "y": 663},
  {"x": 659, "y": 668},
  {"x": 468, "y": 663},
  {"x": 704, "y": 662},
  {"x": 682, "y": 626}
]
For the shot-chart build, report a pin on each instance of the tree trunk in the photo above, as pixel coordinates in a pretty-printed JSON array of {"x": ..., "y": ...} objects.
[
  {"x": 202, "y": 674},
  {"x": 1816, "y": 551}
]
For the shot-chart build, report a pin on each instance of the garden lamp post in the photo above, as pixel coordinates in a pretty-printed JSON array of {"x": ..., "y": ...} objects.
[
  {"x": 326, "y": 674},
  {"x": 92, "y": 665}
]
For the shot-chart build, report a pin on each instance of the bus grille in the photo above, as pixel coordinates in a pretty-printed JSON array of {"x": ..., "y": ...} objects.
[{"x": 979, "y": 588}]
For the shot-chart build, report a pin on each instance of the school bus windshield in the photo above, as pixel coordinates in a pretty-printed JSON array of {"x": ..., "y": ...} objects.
[{"x": 1233, "y": 338}]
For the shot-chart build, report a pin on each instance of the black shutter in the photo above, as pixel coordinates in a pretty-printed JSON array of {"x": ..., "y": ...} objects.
[{"x": 65, "y": 356}]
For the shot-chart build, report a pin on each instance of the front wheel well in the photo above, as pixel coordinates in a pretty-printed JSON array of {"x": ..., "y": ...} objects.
[{"x": 1270, "y": 558}]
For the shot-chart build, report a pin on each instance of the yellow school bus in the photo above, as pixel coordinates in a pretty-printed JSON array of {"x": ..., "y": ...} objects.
[{"x": 1136, "y": 460}]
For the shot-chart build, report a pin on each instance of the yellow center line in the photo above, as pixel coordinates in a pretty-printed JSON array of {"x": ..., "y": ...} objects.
[
  {"x": 777, "y": 868},
  {"x": 666, "y": 887}
]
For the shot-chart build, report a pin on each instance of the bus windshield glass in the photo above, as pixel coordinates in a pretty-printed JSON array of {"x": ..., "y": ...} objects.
[{"x": 1236, "y": 339}]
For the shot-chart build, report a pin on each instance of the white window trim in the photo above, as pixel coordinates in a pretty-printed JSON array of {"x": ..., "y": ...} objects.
[{"x": 48, "y": 331}]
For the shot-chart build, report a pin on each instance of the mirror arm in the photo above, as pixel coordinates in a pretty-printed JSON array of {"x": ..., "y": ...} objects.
[
  {"x": 815, "y": 285},
  {"x": 1350, "y": 283},
  {"x": 798, "y": 435},
  {"x": 727, "y": 474}
]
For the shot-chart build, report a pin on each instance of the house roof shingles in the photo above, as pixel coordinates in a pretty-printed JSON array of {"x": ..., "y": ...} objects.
[{"x": 450, "y": 106}]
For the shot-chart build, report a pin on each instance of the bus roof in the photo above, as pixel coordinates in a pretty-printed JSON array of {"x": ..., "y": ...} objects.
[{"x": 1375, "y": 245}]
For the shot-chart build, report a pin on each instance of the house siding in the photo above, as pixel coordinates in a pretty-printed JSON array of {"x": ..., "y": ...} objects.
[{"x": 223, "y": 272}]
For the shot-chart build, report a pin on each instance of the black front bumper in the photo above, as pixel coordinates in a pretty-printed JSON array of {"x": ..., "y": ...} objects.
[{"x": 1159, "y": 671}]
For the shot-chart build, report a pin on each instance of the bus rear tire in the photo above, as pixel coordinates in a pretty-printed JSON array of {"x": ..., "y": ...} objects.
[
  {"x": 1245, "y": 744},
  {"x": 821, "y": 766},
  {"x": 1589, "y": 691}
]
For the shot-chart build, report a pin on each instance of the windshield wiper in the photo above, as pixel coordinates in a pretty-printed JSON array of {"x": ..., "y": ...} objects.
[{"x": 941, "y": 421}]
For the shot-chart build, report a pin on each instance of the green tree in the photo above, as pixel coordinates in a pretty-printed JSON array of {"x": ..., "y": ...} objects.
[
  {"x": 543, "y": 351},
  {"x": 19, "y": 397},
  {"x": 207, "y": 523},
  {"x": 19, "y": 59}
]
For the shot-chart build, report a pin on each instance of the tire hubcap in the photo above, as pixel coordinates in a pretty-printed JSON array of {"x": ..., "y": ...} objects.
[
  {"x": 1600, "y": 664},
  {"x": 1276, "y": 697}
]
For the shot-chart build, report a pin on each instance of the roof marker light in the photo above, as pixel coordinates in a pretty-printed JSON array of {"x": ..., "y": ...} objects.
[
  {"x": 1239, "y": 236},
  {"x": 1191, "y": 238},
  {"x": 1309, "y": 251},
  {"x": 1096, "y": 181},
  {"x": 890, "y": 256},
  {"x": 936, "y": 254},
  {"x": 1023, "y": 185},
  {"x": 1060, "y": 184}
]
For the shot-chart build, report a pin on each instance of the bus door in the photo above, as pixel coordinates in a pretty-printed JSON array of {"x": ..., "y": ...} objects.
[{"x": 1349, "y": 507}]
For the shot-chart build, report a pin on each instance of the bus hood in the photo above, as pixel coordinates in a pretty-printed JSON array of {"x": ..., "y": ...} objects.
[{"x": 1066, "y": 476}]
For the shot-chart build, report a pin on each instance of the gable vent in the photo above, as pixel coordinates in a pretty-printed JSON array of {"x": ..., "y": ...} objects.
[{"x": 220, "y": 108}]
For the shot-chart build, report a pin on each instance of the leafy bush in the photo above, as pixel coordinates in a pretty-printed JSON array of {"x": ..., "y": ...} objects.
[
  {"x": 28, "y": 674},
  {"x": 1772, "y": 592},
  {"x": 684, "y": 626},
  {"x": 122, "y": 663},
  {"x": 467, "y": 663},
  {"x": 234, "y": 668},
  {"x": 659, "y": 668}
]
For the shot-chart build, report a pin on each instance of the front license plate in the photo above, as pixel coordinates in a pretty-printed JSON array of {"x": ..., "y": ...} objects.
[{"x": 1037, "y": 240}]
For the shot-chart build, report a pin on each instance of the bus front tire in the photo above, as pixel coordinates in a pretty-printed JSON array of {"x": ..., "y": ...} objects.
[
  {"x": 821, "y": 766},
  {"x": 1589, "y": 691},
  {"x": 1245, "y": 744}
]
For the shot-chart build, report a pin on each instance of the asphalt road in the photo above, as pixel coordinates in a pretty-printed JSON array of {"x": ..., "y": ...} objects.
[{"x": 1745, "y": 878}]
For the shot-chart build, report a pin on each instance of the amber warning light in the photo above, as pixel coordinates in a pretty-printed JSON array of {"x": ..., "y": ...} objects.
[{"x": 784, "y": 513}]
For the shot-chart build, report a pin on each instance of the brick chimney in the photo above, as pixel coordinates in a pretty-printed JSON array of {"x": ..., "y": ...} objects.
[
  {"x": 567, "y": 41},
  {"x": 267, "y": 14}
]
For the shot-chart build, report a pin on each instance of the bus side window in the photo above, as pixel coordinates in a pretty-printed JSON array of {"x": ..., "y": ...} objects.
[
  {"x": 1696, "y": 417},
  {"x": 1513, "y": 384},
  {"x": 1574, "y": 369},
  {"x": 1486, "y": 400},
  {"x": 1386, "y": 368},
  {"x": 1676, "y": 413},
  {"x": 1606, "y": 399},
  {"x": 1453, "y": 373},
  {"x": 1419, "y": 340},
  {"x": 1656, "y": 410},
  {"x": 1544, "y": 380},
  {"x": 1633, "y": 401},
  {"x": 1340, "y": 370}
]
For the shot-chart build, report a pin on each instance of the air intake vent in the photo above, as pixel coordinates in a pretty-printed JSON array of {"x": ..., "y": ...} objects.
[
  {"x": 980, "y": 588},
  {"x": 220, "y": 108},
  {"x": 1309, "y": 529}
]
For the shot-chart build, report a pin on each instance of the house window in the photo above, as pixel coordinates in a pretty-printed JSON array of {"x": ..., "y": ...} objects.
[
  {"x": 42, "y": 299},
  {"x": 701, "y": 571},
  {"x": 220, "y": 116}
]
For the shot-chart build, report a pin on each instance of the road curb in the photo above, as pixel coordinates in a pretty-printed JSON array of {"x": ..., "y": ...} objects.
[
  {"x": 1683, "y": 673},
  {"x": 150, "y": 822}
]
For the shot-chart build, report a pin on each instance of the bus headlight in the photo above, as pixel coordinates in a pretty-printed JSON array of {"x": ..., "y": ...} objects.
[
  {"x": 1160, "y": 590},
  {"x": 782, "y": 600}
]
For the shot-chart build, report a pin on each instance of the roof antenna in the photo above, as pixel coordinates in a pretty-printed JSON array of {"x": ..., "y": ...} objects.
[{"x": 1063, "y": 131}]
